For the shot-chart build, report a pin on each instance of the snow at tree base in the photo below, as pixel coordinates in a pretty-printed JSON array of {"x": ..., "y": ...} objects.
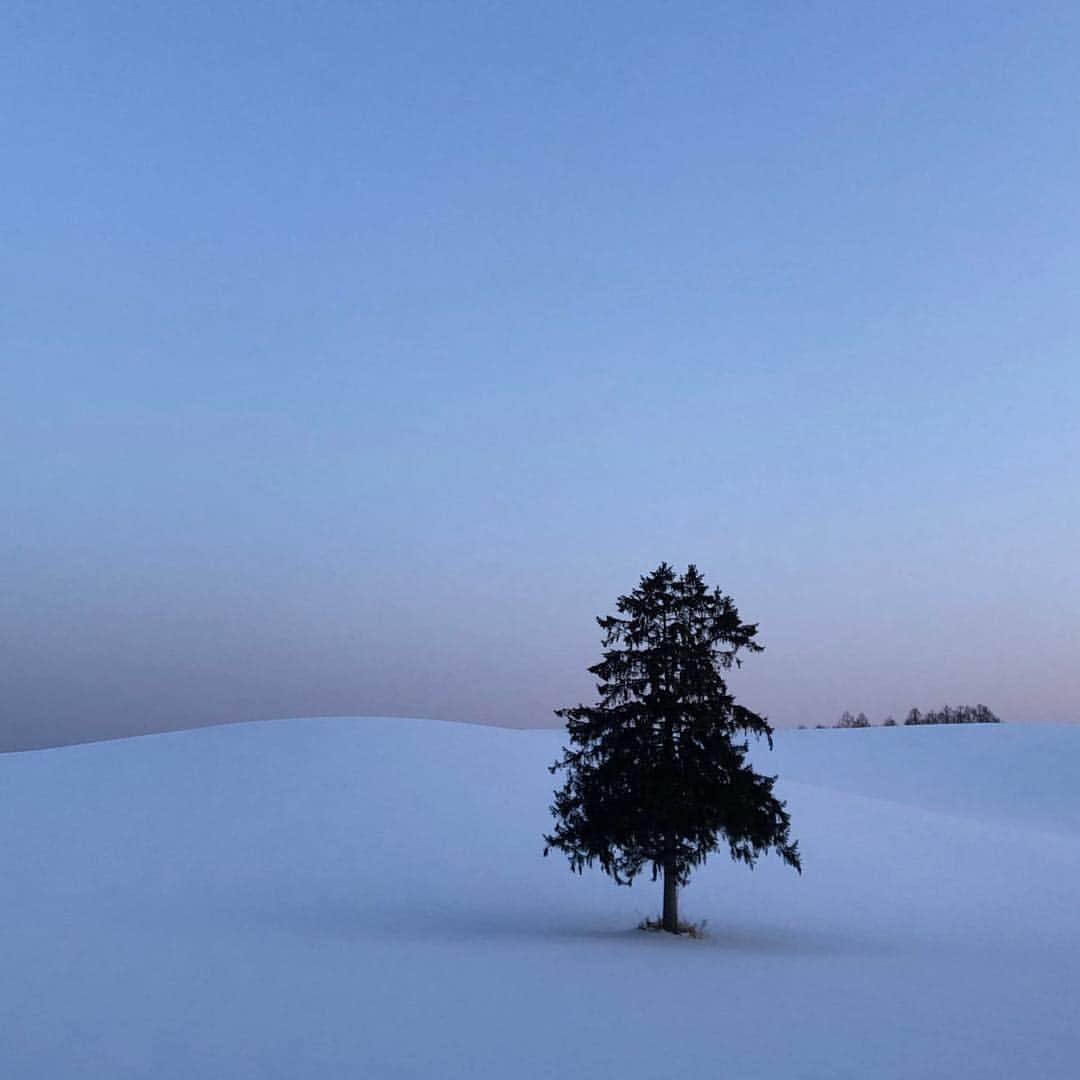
[{"x": 367, "y": 898}]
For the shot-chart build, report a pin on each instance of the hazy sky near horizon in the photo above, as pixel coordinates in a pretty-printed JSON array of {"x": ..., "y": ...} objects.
[{"x": 353, "y": 357}]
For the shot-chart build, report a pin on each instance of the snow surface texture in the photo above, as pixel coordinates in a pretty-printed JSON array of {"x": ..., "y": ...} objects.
[{"x": 367, "y": 898}]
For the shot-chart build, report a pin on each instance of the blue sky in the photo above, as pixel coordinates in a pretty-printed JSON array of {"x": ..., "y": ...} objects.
[{"x": 355, "y": 356}]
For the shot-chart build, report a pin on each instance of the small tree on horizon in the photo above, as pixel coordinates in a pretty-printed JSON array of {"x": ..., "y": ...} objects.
[
  {"x": 657, "y": 775},
  {"x": 848, "y": 721}
]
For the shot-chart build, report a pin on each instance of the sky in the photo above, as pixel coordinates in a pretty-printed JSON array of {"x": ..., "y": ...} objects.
[{"x": 354, "y": 357}]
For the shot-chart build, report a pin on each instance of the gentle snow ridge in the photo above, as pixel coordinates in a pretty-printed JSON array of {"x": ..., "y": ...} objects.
[{"x": 367, "y": 898}]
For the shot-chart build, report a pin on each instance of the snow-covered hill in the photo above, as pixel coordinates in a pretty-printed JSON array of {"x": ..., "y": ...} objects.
[{"x": 367, "y": 898}]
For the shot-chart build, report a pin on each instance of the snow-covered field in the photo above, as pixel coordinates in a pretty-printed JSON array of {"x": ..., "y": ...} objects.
[{"x": 367, "y": 899}]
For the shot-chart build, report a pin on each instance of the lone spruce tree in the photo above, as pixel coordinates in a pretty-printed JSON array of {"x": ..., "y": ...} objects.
[{"x": 656, "y": 773}]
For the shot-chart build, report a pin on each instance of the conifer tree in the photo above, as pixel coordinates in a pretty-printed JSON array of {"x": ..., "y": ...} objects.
[{"x": 656, "y": 771}]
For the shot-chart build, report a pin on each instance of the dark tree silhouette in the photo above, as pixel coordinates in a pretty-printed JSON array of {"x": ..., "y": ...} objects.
[
  {"x": 965, "y": 714},
  {"x": 848, "y": 721},
  {"x": 657, "y": 775}
]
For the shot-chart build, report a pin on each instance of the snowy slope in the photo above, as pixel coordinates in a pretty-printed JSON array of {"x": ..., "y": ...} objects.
[{"x": 367, "y": 898}]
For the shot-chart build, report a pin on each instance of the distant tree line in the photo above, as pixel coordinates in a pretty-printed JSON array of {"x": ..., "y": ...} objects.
[
  {"x": 962, "y": 714},
  {"x": 847, "y": 720}
]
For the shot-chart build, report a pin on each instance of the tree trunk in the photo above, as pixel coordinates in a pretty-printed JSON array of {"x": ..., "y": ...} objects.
[{"x": 671, "y": 899}]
